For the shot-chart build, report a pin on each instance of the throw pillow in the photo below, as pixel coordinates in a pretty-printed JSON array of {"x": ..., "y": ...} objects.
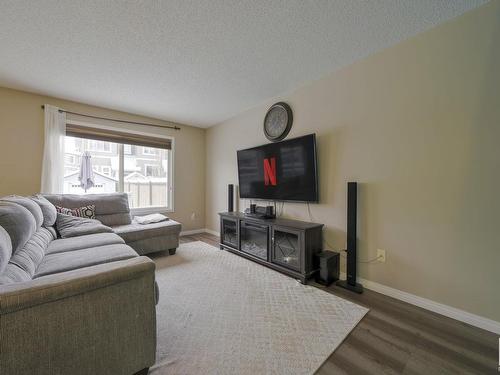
[{"x": 87, "y": 212}]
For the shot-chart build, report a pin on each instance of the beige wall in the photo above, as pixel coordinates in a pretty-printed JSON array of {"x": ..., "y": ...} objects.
[
  {"x": 21, "y": 148},
  {"x": 418, "y": 125}
]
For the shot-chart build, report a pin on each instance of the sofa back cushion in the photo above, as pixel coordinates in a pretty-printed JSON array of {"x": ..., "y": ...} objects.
[
  {"x": 18, "y": 222},
  {"x": 29, "y": 204},
  {"x": 23, "y": 240},
  {"x": 48, "y": 210},
  {"x": 5, "y": 249},
  {"x": 110, "y": 209},
  {"x": 31, "y": 254}
]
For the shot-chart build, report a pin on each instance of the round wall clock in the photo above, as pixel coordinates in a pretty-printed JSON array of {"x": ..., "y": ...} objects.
[{"x": 278, "y": 122}]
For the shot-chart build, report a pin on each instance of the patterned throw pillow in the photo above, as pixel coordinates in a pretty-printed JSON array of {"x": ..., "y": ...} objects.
[{"x": 86, "y": 211}]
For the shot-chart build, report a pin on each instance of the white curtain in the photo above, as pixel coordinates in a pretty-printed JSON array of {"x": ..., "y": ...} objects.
[{"x": 53, "y": 151}]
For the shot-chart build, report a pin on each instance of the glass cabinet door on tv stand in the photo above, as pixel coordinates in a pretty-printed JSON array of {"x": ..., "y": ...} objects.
[
  {"x": 286, "y": 247},
  {"x": 229, "y": 232}
]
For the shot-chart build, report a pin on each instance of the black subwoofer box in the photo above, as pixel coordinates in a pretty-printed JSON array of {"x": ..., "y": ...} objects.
[{"x": 329, "y": 265}]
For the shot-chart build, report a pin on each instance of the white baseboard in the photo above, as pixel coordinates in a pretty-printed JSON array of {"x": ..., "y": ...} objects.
[
  {"x": 450, "y": 312},
  {"x": 215, "y": 233}
]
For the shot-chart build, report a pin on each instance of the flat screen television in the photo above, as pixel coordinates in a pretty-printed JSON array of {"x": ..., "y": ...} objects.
[{"x": 282, "y": 171}]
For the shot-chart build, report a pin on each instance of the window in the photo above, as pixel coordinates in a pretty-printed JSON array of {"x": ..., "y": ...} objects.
[
  {"x": 148, "y": 151},
  {"x": 106, "y": 170},
  {"x": 152, "y": 170},
  {"x": 70, "y": 159},
  {"x": 147, "y": 181},
  {"x": 102, "y": 146}
]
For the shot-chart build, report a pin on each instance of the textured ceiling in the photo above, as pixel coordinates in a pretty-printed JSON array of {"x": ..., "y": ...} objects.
[{"x": 193, "y": 61}]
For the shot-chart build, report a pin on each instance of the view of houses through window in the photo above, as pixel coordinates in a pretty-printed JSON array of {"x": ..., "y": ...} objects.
[{"x": 144, "y": 177}]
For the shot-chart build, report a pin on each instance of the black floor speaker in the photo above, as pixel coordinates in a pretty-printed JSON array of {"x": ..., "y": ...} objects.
[
  {"x": 329, "y": 266},
  {"x": 352, "y": 220},
  {"x": 230, "y": 198}
]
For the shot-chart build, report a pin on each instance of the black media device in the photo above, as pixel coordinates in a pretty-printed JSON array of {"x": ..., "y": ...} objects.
[
  {"x": 352, "y": 203},
  {"x": 260, "y": 212},
  {"x": 230, "y": 199},
  {"x": 282, "y": 171},
  {"x": 329, "y": 265}
]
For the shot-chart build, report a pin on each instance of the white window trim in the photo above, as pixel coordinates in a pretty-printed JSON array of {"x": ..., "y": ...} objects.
[{"x": 171, "y": 164}]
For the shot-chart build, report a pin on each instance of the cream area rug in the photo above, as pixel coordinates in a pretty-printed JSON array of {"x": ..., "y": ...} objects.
[{"x": 219, "y": 313}]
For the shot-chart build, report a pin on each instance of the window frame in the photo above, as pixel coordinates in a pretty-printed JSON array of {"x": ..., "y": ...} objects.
[{"x": 121, "y": 154}]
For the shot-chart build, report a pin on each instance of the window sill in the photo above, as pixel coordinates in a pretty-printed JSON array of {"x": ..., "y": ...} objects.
[{"x": 149, "y": 210}]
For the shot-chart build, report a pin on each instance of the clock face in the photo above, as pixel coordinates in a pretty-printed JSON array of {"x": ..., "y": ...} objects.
[{"x": 278, "y": 122}]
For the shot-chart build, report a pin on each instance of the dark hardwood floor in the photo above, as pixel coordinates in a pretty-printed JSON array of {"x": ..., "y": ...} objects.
[{"x": 398, "y": 338}]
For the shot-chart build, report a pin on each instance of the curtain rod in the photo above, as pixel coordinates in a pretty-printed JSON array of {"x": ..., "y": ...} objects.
[{"x": 123, "y": 121}]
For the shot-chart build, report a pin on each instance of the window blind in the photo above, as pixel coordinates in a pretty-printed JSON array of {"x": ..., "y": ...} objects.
[{"x": 117, "y": 137}]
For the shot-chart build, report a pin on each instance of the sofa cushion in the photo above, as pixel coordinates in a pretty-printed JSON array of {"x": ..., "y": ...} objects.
[
  {"x": 18, "y": 222},
  {"x": 111, "y": 209},
  {"x": 53, "y": 231},
  {"x": 13, "y": 274},
  {"x": 5, "y": 249},
  {"x": 30, "y": 205},
  {"x": 82, "y": 242},
  {"x": 48, "y": 210},
  {"x": 31, "y": 254},
  {"x": 70, "y": 260},
  {"x": 135, "y": 231},
  {"x": 73, "y": 226}
]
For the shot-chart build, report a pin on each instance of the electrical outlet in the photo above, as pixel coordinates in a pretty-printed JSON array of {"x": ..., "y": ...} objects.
[{"x": 381, "y": 255}]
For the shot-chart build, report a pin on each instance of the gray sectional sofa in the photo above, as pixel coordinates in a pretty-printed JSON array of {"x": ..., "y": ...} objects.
[{"x": 79, "y": 305}]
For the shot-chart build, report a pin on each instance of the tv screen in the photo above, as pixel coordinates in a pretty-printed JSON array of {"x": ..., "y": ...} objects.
[{"x": 283, "y": 171}]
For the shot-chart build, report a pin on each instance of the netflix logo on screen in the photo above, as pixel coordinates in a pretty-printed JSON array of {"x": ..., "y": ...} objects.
[
  {"x": 283, "y": 171},
  {"x": 270, "y": 171}
]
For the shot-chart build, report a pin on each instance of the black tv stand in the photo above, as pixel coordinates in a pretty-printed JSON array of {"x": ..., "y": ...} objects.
[
  {"x": 258, "y": 216},
  {"x": 287, "y": 246}
]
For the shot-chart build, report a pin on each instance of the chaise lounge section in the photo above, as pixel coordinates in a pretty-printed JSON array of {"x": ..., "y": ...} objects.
[{"x": 113, "y": 210}]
